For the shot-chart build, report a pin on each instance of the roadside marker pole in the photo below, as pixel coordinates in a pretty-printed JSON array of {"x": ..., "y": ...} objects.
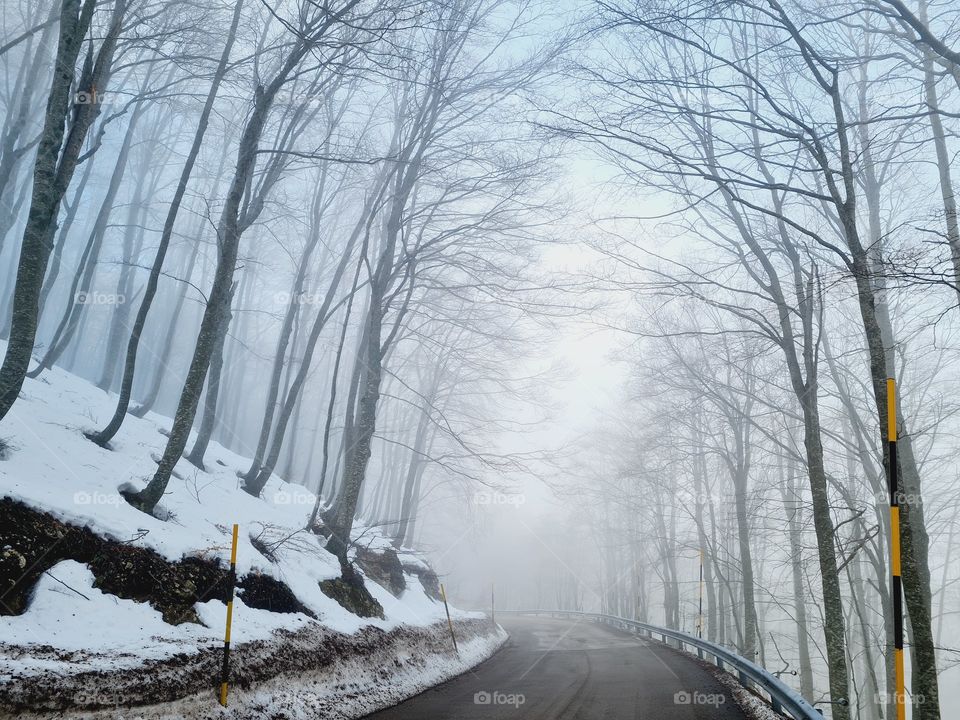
[
  {"x": 443, "y": 594},
  {"x": 895, "y": 579},
  {"x": 225, "y": 670},
  {"x": 700, "y": 606}
]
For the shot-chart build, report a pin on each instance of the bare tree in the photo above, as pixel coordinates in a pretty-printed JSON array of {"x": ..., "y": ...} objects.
[
  {"x": 310, "y": 36},
  {"x": 64, "y": 129}
]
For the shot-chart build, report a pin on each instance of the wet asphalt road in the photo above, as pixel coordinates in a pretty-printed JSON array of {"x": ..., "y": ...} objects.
[{"x": 553, "y": 669}]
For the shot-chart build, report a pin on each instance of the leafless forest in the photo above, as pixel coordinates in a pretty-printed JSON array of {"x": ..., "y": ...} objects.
[{"x": 615, "y": 287}]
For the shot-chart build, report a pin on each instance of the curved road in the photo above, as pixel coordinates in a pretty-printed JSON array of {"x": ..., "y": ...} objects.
[{"x": 574, "y": 670}]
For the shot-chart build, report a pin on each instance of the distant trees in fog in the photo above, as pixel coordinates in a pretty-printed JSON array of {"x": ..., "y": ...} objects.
[{"x": 305, "y": 235}]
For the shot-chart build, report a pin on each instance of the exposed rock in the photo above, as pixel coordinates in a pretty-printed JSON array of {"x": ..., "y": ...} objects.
[
  {"x": 37, "y": 541},
  {"x": 32, "y": 542},
  {"x": 352, "y": 594},
  {"x": 384, "y": 567},
  {"x": 266, "y": 593},
  {"x": 429, "y": 579}
]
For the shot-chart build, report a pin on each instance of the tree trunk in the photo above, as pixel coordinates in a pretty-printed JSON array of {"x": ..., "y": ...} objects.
[
  {"x": 878, "y": 330},
  {"x": 64, "y": 232},
  {"x": 132, "y": 247},
  {"x": 217, "y": 311},
  {"x": 358, "y": 454},
  {"x": 150, "y": 290},
  {"x": 83, "y": 277},
  {"x": 706, "y": 548},
  {"x": 173, "y": 326},
  {"x": 286, "y": 329},
  {"x": 15, "y": 122},
  {"x": 414, "y": 469},
  {"x": 791, "y": 506},
  {"x": 209, "y": 418},
  {"x": 749, "y": 647},
  {"x": 255, "y": 486},
  {"x": 123, "y": 292},
  {"x": 872, "y": 691},
  {"x": 53, "y": 169},
  {"x": 331, "y": 404},
  {"x": 943, "y": 158}
]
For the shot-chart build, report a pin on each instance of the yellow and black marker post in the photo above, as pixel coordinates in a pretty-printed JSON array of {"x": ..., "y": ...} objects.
[
  {"x": 443, "y": 594},
  {"x": 225, "y": 670},
  {"x": 896, "y": 583}
]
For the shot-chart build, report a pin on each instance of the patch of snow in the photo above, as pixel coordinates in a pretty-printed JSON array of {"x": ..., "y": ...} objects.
[
  {"x": 53, "y": 467},
  {"x": 351, "y": 688},
  {"x": 79, "y": 618},
  {"x": 370, "y": 687},
  {"x": 753, "y": 707}
]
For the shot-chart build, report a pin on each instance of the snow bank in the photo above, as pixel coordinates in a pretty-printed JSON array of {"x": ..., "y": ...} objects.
[
  {"x": 306, "y": 674},
  {"x": 359, "y": 683},
  {"x": 70, "y": 627},
  {"x": 359, "y": 687},
  {"x": 752, "y": 705}
]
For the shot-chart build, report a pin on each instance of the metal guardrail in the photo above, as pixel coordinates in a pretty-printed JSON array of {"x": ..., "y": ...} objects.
[{"x": 781, "y": 697}]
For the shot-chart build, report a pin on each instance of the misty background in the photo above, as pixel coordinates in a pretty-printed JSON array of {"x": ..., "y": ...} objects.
[{"x": 636, "y": 273}]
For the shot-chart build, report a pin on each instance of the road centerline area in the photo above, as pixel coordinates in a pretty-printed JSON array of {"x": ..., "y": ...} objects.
[{"x": 554, "y": 669}]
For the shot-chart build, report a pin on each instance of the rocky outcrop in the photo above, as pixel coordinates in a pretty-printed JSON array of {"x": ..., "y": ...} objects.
[
  {"x": 32, "y": 541},
  {"x": 384, "y": 567}
]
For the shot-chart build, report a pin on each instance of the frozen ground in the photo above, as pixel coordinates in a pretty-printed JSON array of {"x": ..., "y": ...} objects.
[
  {"x": 71, "y": 628},
  {"x": 311, "y": 673}
]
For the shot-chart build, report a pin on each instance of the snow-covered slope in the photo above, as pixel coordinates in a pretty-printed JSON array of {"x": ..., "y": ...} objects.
[{"x": 50, "y": 466}]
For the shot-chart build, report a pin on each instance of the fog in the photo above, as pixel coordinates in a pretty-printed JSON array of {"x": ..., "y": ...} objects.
[{"x": 592, "y": 304}]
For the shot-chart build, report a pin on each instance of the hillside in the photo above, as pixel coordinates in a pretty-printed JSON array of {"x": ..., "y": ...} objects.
[{"x": 95, "y": 590}]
